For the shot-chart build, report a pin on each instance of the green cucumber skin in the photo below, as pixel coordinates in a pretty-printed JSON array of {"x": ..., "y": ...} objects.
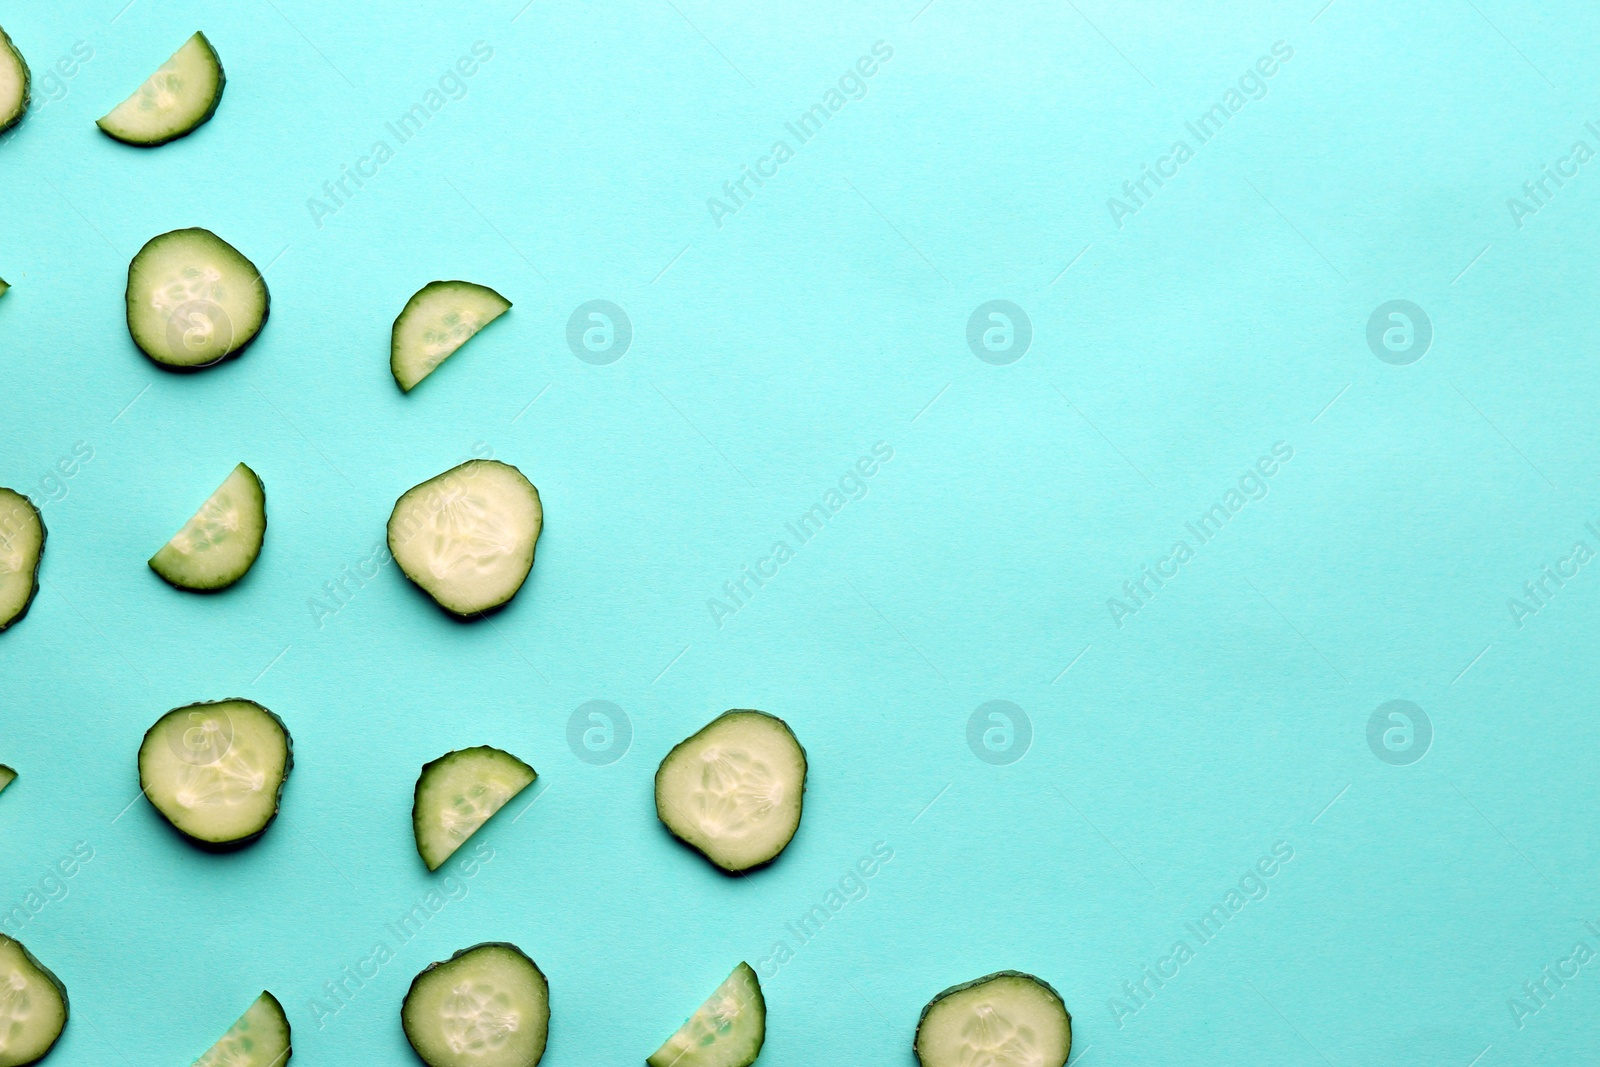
[
  {"x": 260, "y": 487},
  {"x": 1035, "y": 979},
  {"x": 175, "y": 368},
  {"x": 805, "y": 773},
  {"x": 277, "y": 801},
  {"x": 457, "y": 955},
  {"x": 50, "y": 976},
  {"x": 216, "y": 101},
  {"x": 44, "y": 535},
  {"x": 27, "y": 91},
  {"x": 416, "y": 814}
]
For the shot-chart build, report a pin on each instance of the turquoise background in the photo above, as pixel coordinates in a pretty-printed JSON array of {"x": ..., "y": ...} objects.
[{"x": 770, "y": 353}]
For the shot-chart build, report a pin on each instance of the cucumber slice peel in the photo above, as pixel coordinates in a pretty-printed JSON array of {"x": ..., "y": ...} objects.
[
  {"x": 728, "y": 1030},
  {"x": 33, "y": 1006},
  {"x": 7, "y": 776},
  {"x": 459, "y": 792},
  {"x": 15, "y": 82},
  {"x": 467, "y": 536},
  {"x": 3, "y": 287},
  {"x": 177, "y": 99},
  {"x": 220, "y": 544},
  {"x": 735, "y": 790},
  {"x": 1004, "y": 1018},
  {"x": 437, "y": 320},
  {"x": 22, "y": 537},
  {"x": 486, "y": 1006},
  {"x": 194, "y": 300},
  {"x": 216, "y": 770},
  {"x": 260, "y": 1038}
]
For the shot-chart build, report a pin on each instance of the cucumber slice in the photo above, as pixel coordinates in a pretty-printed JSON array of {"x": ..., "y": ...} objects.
[
  {"x": 486, "y": 1006},
  {"x": 220, "y": 543},
  {"x": 215, "y": 770},
  {"x": 7, "y": 776},
  {"x": 734, "y": 791},
  {"x": 177, "y": 99},
  {"x": 259, "y": 1039},
  {"x": 459, "y": 792},
  {"x": 22, "y": 536},
  {"x": 467, "y": 537},
  {"x": 3, "y": 287},
  {"x": 14, "y": 84},
  {"x": 1003, "y": 1018},
  {"x": 33, "y": 1006},
  {"x": 438, "y": 319},
  {"x": 194, "y": 299},
  {"x": 727, "y": 1031}
]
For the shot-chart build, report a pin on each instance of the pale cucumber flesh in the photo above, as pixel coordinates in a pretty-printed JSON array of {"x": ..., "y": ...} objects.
[
  {"x": 486, "y": 1006},
  {"x": 437, "y": 320},
  {"x": 33, "y": 1006},
  {"x": 216, "y": 770},
  {"x": 260, "y": 1038},
  {"x": 221, "y": 542},
  {"x": 193, "y": 299},
  {"x": 179, "y": 97},
  {"x": 728, "y": 1030},
  {"x": 735, "y": 790},
  {"x": 1003, "y": 1019},
  {"x": 22, "y": 537},
  {"x": 459, "y": 792},
  {"x": 467, "y": 537}
]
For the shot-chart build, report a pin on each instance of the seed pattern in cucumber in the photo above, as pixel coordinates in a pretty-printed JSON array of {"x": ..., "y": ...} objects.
[
  {"x": 260, "y": 1038},
  {"x": 728, "y": 1030},
  {"x": 216, "y": 770},
  {"x": 177, "y": 99},
  {"x": 1006, "y": 1019},
  {"x": 220, "y": 544},
  {"x": 459, "y": 792},
  {"x": 486, "y": 1006}
]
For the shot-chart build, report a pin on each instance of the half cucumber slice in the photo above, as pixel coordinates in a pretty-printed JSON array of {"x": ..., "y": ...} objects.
[
  {"x": 7, "y": 776},
  {"x": 194, "y": 300},
  {"x": 459, "y": 792},
  {"x": 1002, "y": 1018},
  {"x": 734, "y": 791},
  {"x": 438, "y": 319},
  {"x": 486, "y": 1006},
  {"x": 176, "y": 100},
  {"x": 3, "y": 287},
  {"x": 14, "y": 83},
  {"x": 33, "y": 1006},
  {"x": 727, "y": 1031},
  {"x": 22, "y": 535},
  {"x": 466, "y": 537},
  {"x": 220, "y": 543},
  {"x": 259, "y": 1039},
  {"x": 215, "y": 770}
]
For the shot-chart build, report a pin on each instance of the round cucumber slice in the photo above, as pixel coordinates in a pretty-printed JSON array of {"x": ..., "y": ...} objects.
[
  {"x": 22, "y": 536},
  {"x": 734, "y": 791},
  {"x": 14, "y": 85},
  {"x": 177, "y": 99},
  {"x": 33, "y": 1006},
  {"x": 459, "y": 792},
  {"x": 260, "y": 1038},
  {"x": 486, "y": 1006},
  {"x": 215, "y": 770},
  {"x": 194, "y": 300},
  {"x": 728, "y": 1030},
  {"x": 438, "y": 319},
  {"x": 221, "y": 542},
  {"x": 466, "y": 537},
  {"x": 1003, "y": 1018}
]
